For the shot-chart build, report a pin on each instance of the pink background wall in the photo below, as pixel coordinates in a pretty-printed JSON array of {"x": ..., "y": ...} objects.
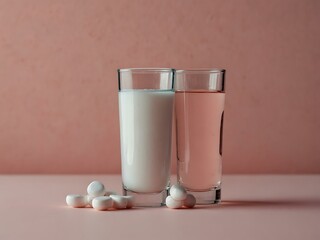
[{"x": 58, "y": 82}]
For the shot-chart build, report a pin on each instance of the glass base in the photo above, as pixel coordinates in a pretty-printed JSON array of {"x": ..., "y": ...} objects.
[
  {"x": 148, "y": 199},
  {"x": 212, "y": 196}
]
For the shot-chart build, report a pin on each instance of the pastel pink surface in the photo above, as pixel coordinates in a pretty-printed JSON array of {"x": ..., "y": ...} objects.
[
  {"x": 254, "y": 207},
  {"x": 58, "y": 81}
]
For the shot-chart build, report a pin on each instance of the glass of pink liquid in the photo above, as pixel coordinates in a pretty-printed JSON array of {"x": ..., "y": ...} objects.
[{"x": 199, "y": 106}]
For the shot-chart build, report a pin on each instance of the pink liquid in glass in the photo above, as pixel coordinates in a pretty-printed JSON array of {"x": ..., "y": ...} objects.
[{"x": 199, "y": 118}]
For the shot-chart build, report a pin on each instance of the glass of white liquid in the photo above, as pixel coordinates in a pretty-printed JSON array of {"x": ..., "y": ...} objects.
[{"x": 145, "y": 108}]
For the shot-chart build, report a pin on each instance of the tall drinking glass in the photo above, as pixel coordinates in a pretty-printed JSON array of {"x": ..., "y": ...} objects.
[
  {"x": 199, "y": 106},
  {"x": 145, "y": 108}
]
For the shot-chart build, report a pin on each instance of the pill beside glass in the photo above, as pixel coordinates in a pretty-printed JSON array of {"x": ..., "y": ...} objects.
[
  {"x": 102, "y": 203},
  {"x": 180, "y": 198},
  {"x": 99, "y": 198}
]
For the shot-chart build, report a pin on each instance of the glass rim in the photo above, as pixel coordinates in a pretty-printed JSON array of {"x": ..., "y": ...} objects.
[
  {"x": 148, "y": 70},
  {"x": 201, "y": 70}
]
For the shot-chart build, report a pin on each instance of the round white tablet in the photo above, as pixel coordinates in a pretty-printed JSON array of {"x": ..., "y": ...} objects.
[
  {"x": 119, "y": 202},
  {"x": 96, "y": 189},
  {"x": 102, "y": 203},
  {"x": 177, "y": 192},
  {"x": 76, "y": 200},
  {"x": 190, "y": 201},
  {"x": 130, "y": 201},
  {"x": 172, "y": 203}
]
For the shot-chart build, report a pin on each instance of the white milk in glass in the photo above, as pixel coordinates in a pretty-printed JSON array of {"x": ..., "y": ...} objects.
[{"x": 145, "y": 127}]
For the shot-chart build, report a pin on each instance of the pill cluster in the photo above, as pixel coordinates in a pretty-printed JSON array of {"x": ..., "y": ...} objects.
[
  {"x": 99, "y": 198},
  {"x": 180, "y": 198}
]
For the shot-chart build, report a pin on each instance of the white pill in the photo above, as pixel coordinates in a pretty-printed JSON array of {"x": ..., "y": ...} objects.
[
  {"x": 102, "y": 203},
  {"x": 177, "y": 192},
  {"x": 96, "y": 189},
  {"x": 119, "y": 202},
  {"x": 89, "y": 200},
  {"x": 76, "y": 200},
  {"x": 130, "y": 201},
  {"x": 190, "y": 201},
  {"x": 172, "y": 203}
]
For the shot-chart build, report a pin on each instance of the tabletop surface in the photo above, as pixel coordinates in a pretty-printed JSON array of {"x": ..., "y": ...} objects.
[{"x": 253, "y": 207}]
